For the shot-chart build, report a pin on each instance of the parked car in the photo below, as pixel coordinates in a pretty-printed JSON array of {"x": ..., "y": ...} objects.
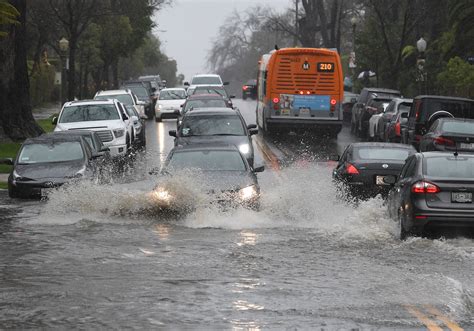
[
  {"x": 225, "y": 176},
  {"x": 143, "y": 94},
  {"x": 367, "y": 169},
  {"x": 249, "y": 89},
  {"x": 216, "y": 125},
  {"x": 169, "y": 103},
  {"x": 426, "y": 109},
  {"x": 374, "y": 111},
  {"x": 203, "y": 101},
  {"x": 107, "y": 117},
  {"x": 434, "y": 190},
  {"x": 365, "y": 95},
  {"x": 206, "y": 79},
  {"x": 449, "y": 134},
  {"x": 394, "y": 128},
  {"x": 125, "y": 96},
  {"x": 348, "y": 103},
  {"x": 91, "y": 137},
  {"x": 394, "y": 108},
  {"x": 47, "y": 162},
  {"x": 210, "y": 89}
]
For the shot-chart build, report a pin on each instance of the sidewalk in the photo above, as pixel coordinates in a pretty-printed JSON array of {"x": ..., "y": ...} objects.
[{"x": 45, "y": 111}]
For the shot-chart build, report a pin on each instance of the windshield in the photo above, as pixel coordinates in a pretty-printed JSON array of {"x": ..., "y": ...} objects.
[
  {"x": 172, "y": 95},
  {"x": 458, "y": 127},
  {"x": 85, "y": 113},
  {"x": 449, "y": 167},
  {"x": 210, "y": 90},
  {"x": 212, "y": 125},
  {"x": 54, "y": 152},
  {"x": 204, "y": 103},
  {"x": 381, "y": 153},
  {"x": 207, "y": 160},
  {"x": 140, "y": 91},
  {"x": 123, "y": 98},
  {"x": 206, "y": 80}
]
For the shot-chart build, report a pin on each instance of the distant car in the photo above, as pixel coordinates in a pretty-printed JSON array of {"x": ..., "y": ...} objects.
[
  {"x": 394, "y": 128},
  {"x": 365, "y": 95},
  {"x": 377, "y": 107},
  {"x": 434, "y": 190},
  {"x": 249, "y": 89},
  {"x": 220, "y": 171},
  {"x": 449, "y": 134},
  {"x": 394, "y": 108},
  {"x": 368, "y": 169},
  {"x": 47, "y": 162},
  {"x": 142, "y": 91},
  {"x": 107, "y": 117},
  {"x": 216, "y": 125},
  {"x": 349, "y": 100},
  {"x": 428, "y": 108},
  {"x": 203, "y": 101},
  {"x": 169, "y": 103},
  {"x": 125, "y": 96},
  {"x": 206, "y": 79},
  {"x": 210, "y": 89}
]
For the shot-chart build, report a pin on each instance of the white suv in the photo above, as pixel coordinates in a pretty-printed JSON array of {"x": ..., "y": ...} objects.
[{"x": 106, "y": 117}]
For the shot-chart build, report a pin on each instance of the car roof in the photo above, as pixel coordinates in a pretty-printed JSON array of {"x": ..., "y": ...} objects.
[
  {"x": 173, "y": 89},
  {"x": 212, "y": 111},
  {"x": 51, "y": 137},
  {"x": 114, "y": 92},
  {"x": 376, "y": 89},
  {"x": 90, "y": 102},
  {"x": 204, "y": 86},
  {"x": 205, "y": 96},
  {"x": 401, "y": 100},
  {"x": 382, "y": 145},
  {"x": 206, "y": 75},
  {"x": 441, "y": 97},
  {"x": 436, "y": 154}
]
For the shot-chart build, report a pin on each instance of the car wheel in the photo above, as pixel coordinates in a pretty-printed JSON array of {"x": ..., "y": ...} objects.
[
  {"x": 127, "y": 140},
  {"x": 402, "y": 233},
  {"x": 12, "y": 193}
]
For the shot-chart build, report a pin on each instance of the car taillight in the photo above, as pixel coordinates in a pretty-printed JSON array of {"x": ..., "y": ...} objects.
[
  {"x": 245, "y": 87},
  {"x": 444, "y": 141},
  {"x": 333, "y": 102},
  {"x": 398, "y": 129},
  {"x": 276, "y": 100},
  {"x": 425, "y": 187},
  {"x": 351, "y": 169}
]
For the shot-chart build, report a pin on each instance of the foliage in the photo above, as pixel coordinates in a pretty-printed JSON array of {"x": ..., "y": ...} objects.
[
  {"x": 8, "y": 15},
  {"x": 457, "y": 79},
  {"x": 8, "y": 150},
  {"x": 47, "y": 124},
  {"x": 42, "y": 85}
]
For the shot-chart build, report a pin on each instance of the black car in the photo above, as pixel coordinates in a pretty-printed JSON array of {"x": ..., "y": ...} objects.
[
  {"x": 428, "y": 108},
  {"x": 434, "y": 190},
  {"x": 396, "y": 106},
  {"x": 249, "y": 89},
  {"x": 374, "y": 106},
  {"x": 49, "y": 161},
  {"x": 219, "y": 171},
  {"x": 367, "y": 169},
  {"x": 216, "y": 125},
  {"x": 212, "y": 89},
  {"x": 394, "y": 119},
  {"x": 144, "y": 94},
  {"x": 449, "y": 134}
]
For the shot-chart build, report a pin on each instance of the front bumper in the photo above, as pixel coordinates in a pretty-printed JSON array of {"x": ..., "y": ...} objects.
[
  {"x": 117, "y": 150},
  {"x": 167, "y": 113},
  {"x": 34, "y": 189}
]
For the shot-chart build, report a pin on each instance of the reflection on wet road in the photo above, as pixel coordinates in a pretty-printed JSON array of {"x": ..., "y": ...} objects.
[{"x": 101, "y": 257}]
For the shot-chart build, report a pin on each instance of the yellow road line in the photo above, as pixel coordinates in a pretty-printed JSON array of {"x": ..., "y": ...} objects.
[
  {"x": 430, "y": 324},
  {"x": 446, "y": 320}
]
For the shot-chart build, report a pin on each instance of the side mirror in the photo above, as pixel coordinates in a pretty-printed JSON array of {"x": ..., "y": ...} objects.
[
  {"x": 252, "y": 126},
  {"x": 54, "y": 121},
  {"x": 334, "y": 157},
  {"x": 404, "y": 115},
  {"x": 260, "y": 168},
  {"x": 186, "y": 84},
  {"x": 7, "y": 161},
  {"x": 253, "y": 132},
  {"x": 172, "y": 133},
  {"x": 105, "y": 149},
  {"x": 225, "y": 83}
]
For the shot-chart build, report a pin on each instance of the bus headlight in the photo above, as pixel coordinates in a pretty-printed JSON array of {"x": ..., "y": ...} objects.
[
  {"x": 248, "y": 193},
  {"x": 244, "y": 148}
]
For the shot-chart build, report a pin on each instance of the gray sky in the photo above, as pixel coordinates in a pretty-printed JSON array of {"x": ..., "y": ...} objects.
[{"x": 191, "y": 25}]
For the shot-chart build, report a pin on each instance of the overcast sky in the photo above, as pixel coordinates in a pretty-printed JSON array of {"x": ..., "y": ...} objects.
[{"x": 187, "y": 28}]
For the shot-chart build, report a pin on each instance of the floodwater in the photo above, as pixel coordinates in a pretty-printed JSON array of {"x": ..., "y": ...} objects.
[{"x": 105, "y": 257}]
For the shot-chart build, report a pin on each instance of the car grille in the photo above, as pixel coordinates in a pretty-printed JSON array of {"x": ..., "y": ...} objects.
[{"x": 105, "y": 135}]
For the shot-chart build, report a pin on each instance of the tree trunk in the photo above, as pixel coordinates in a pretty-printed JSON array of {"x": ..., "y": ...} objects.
[
  {"x": 71, "y": 73},
  {"x": 16, "y": 118}
]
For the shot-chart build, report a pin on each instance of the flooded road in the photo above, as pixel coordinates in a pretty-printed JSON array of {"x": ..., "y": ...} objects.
[{"x": 102, "y": 256}]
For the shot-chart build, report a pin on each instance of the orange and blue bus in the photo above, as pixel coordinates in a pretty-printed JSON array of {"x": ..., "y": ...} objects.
[{"x": 300, "y": 88}]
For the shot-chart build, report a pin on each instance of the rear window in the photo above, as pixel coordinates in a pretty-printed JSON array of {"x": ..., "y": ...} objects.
[
  {"x": 449, "y": 167},
  {"x": 204, "y": 103},
  {"x": 458, "y": 127},
  {"x": 212, "y": 125},
  {"x": 457, "y": 108},
  {"x": 206, "y": 80},
  {"x": 209, "y": 90},
  {"x": 172, "y": 95},
  {"x": 371, "y": 153}
]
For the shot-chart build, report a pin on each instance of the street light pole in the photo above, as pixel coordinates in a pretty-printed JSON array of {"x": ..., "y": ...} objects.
[
  {"x": 420, "y": 65},
  {"x": 352, "y": 58},
  {"x": 63, "y": 50}
]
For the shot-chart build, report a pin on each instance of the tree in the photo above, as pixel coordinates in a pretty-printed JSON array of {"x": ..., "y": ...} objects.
[
  {"x": 8, "y": 15},
  {"x": 16, "y": 119},
  {"x": 457, "y": 79}
]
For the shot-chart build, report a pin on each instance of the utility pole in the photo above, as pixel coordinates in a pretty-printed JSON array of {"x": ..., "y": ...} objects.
[{"x": 295, "y": 39}]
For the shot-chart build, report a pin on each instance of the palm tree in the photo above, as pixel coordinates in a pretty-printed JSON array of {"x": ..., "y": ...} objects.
[{"x": 8, "y": 15}]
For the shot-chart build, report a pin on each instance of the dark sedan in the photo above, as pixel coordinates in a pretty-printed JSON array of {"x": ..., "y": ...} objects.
[
  {"x": 212, "y": 89},
  {"x": 46, "y": 162},
  {"x": 216, "y": 125},
  {"x": 368, "y": 169},
  {"x": 449, "y": 134},
  {"x": 434, "y": 190},
  {"x": 249, "y": 89},
  {"x": 219, "y": 171}
]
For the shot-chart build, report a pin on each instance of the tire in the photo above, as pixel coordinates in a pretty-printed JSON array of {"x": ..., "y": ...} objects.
[
  {"x": 402, "y": 233},
  {"x": 12, "y": 193},
  {"x": 128, "y": 142}
]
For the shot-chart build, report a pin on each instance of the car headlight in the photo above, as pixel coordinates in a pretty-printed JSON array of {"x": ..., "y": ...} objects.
[
  {"x": 248, "y": 193},
  {"x": 162, "y": 195},
  {"x": 119, "y": 133},
  {"x": 244, "y": 148},
  {"x": 16, "y": 175}
]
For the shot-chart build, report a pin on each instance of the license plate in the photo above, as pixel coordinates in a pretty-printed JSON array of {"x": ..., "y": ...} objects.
[
  {"x": 384, "y": 180},
  {"x": 305, "y": 112},
  {"x": 461, "y": 197},
  {"x": 285, "y": 112},
  {"x": 467, "y": 146}
]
